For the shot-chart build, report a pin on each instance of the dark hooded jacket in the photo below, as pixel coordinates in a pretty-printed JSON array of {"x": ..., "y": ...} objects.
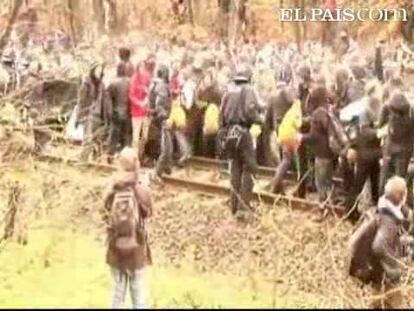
[
  {"x": 160, "y": 97},
  {"x": 318, "y": 138},
  {"x": 398, "y": 113}
]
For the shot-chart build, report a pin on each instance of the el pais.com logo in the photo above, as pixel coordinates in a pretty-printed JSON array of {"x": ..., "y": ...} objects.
[{"x": 340, "y": 15}]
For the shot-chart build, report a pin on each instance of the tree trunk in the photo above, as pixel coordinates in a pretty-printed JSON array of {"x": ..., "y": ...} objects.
[
  {"x": 237, "y": 23},
  {"x": 282, "y": 24},
  {"x": 190, "y": 12},
  {"x": 111, "y": 16},
  {"x": 223, "y": 18},
  {"x": 305, "y": 33},
  {"x": 99, "y": 13},
  {"x": 4, "y": 39},
  {"x": 72, "y": 6},
  {"x": 241, "y": 19},
  {"x": 234, "y": 23},
  {"x": 196, "y": 11},
  {"x": 297, "y": 29}
]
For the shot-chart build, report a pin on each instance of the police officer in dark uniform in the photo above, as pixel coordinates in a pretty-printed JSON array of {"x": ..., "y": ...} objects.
[{"x": 238, "y": 112}]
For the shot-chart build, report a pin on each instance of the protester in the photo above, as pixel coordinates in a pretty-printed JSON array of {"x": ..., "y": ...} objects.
[
  {"x": 121, "y": 121},
  {"x": 128, "y": 206},
  {"x": 378, "y": 245},
  {"x": 138, "y": 93}
]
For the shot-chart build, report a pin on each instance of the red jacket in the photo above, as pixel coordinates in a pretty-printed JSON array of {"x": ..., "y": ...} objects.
[{"x": 138, "y": 92}]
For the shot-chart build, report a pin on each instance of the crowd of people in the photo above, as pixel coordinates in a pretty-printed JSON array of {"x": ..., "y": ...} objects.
[
  {"x": 354, "y": 119},
  {"x": 321, "y": 111}
]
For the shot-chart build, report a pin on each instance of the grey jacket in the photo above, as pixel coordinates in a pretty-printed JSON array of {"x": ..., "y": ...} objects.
[{"x": 378, "y": 245}]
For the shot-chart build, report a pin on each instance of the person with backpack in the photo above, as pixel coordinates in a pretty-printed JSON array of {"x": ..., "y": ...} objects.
[
  {"x": 128, "y": 206},
  {"x": 318, "y": 140},
  {"x": 398, "y": 115},
  {"x": 306, "y": 161},
  {"x": 239, "y": 110},
  {"x": 279, "y": 106},
  {"x": 377, "y": 247}
]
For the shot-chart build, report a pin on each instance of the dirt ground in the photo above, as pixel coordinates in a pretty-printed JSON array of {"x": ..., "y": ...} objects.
[{"x": 282, "y": 253}]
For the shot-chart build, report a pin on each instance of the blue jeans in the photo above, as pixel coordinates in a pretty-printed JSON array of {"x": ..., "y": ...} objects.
[{"x": 122, "y": 280}]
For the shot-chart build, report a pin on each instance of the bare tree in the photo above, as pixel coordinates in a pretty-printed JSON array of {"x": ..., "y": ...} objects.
[
  {"x": 111, "y": 17},
  {"x": 223, "y": 17},
  {"x": 303, "y": 7},
  {"x": 190, "y": 12},
  {"x": 12, "y": 19},
  {"x": 237, "y": 20},
  {"x": 72, "y": 6},
  {"x": 297, "y": 29},
  {"x": 99, "y": 12}
]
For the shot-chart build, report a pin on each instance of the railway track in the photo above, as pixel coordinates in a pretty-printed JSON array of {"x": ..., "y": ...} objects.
[
  {"x": 180, "y": 180},
  {"x": 263, "y": 171}
]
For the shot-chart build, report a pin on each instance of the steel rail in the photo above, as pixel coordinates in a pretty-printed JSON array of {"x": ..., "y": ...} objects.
[
  {"x": 262, "y": 170},
  {"x": 259, "y": 196}
]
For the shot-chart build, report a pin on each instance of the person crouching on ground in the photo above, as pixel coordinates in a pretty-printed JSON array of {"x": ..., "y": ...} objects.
[
  {"x": 128, "y": 205},
  {"x": 378, "y": 246}
]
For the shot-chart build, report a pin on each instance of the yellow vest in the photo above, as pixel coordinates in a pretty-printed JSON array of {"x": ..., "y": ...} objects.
[
  {"x": 177, "y": 116},
  {"x": 211, "y": 119},
  {"x": 291, "y": 122}
]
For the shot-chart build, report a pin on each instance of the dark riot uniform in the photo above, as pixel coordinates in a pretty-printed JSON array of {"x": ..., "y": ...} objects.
[
  {"x": 238, "y": 112},
  {"x": 398, "y": 146},
  {"x": 160, "y": 103}
]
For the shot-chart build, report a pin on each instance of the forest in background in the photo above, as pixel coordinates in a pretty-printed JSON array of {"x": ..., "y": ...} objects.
[{"x": 85, "y": 20}]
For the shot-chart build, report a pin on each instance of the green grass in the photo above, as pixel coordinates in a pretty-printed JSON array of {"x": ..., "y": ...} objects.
[
  {"x": 63, "y": 264},
  {"x": 63, "y": 269}
]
